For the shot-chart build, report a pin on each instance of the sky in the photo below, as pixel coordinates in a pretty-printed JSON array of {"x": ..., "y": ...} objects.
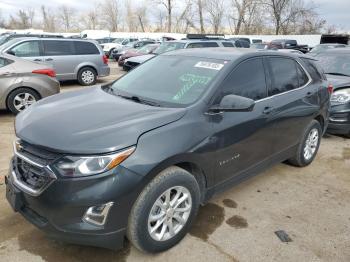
[{"x": 336, "y": 12}]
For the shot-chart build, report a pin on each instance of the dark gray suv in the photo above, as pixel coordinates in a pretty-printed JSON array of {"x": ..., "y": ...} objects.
[{"x": 144, "y": 152}]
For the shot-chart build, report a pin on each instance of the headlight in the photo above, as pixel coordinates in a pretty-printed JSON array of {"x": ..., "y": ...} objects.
[
  {"x": 342, "y": 96},
  {"x": 74, "y": 166}
]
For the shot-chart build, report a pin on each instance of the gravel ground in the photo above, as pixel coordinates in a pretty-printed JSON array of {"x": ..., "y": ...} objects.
[{"x": 311, "y": 204}]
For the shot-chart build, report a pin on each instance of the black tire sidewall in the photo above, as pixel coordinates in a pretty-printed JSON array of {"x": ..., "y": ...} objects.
[
  {"x": 314, "y": 124},
  {"x": 145, "y": 241},
  {"x": 81, "y": 82},
  {"x": 12, "y": 95}
]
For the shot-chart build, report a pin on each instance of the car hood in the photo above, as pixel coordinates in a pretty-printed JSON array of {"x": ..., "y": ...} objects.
[
  {"x": 90, "y": 121},
  {"x": 338, "y": 81},
  {"x": 141, "y": 59}
]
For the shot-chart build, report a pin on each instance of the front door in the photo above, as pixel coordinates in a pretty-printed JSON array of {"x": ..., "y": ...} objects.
[{"x": 243, "y": 139}]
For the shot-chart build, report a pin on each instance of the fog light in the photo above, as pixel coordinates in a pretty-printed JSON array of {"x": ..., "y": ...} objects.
[{"x": 97, "y": 215}]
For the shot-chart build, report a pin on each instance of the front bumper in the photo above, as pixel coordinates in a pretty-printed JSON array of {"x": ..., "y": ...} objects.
[
  {"x": 59, "y": 209},
  {"x": 339, "y": 120}
]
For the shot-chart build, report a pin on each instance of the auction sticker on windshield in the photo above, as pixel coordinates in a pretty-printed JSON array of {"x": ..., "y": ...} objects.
[{"x": 209, "y": 65}]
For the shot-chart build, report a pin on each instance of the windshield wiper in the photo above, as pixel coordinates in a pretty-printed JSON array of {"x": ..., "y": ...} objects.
[
  {"x": 139, "y": 100},
  {"x": 337, "y": 74}
]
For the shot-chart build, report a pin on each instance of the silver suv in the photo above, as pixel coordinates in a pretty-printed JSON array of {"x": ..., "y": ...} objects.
[{"x": 72, "y": 59}]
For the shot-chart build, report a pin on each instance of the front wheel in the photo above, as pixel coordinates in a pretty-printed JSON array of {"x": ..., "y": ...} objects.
[
  {"x": 308, "y": 146},
  {"x": 164, "y": 211}
]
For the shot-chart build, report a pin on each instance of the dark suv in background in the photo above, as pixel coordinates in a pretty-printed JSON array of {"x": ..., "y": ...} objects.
[{"x": 139, "y": 158}]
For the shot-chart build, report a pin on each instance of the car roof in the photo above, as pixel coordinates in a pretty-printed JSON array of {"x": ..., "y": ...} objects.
[
  {"x": 50, "y": 38},
  {"x": 197, "y": 40},
  {"x": 226, "y": 53}
]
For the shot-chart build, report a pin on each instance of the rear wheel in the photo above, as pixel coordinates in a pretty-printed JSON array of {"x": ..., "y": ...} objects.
[
  {"x": 164, "y": 211},
  {"x": 308, "y": 146},
  {"x": 87, "y": 76},
  {"x": 21, "y": 98}
]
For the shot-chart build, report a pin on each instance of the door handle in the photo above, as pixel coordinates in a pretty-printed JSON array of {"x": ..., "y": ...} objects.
[
  {"x": 49, "y": 59},
  {"x": 268, "y": 110},
  {"x": 38, "y": 60}
]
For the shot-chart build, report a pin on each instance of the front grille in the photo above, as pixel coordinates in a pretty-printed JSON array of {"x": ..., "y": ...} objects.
[
  {"x": 31, "y": 169},
  {"x": 32, "y": 176}
]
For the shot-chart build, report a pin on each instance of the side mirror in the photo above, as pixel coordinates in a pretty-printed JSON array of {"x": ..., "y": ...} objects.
[
  {"x": 233, "y": 103},
  {"x": 10, "y": 52}
]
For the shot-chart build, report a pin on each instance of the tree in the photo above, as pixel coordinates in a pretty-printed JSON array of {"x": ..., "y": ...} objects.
[
  {"x": 111, "y": 14},
  {"x": 215, "y": 9},
  {"x": 200, "y": 5},
  {"x": 66, "y": 16},
  {"x": 49, "y": 19},
  {"x": 168, "y": 4}
]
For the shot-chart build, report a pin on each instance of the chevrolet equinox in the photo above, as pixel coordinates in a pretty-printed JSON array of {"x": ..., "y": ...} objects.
[{"x": 135, "y": 158}]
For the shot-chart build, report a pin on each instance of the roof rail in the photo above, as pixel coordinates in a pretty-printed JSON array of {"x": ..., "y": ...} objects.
[{"x": 205, "y": 36}]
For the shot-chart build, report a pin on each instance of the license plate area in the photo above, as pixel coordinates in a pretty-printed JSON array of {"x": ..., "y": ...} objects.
[{"x": 13, "y": 196}]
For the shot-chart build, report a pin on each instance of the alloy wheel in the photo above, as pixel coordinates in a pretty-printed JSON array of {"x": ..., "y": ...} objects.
[
  {"x": 88, "y": 77},
  {"x": 311, "y": 144},
  {"x": 23, "y": 100},
  {"x": 169, "y": 213}
]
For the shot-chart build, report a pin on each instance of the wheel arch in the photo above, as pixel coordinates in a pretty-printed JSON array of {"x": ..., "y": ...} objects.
[{"x": 321, "y": 120}]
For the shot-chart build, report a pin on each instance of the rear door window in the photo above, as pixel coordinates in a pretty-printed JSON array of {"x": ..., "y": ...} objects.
[
  {"x": 58, "y": 48},
  {"x": 284, "y": 75},
  {"x": 85, "y": 48},
  {"x": 228, "y": 44},
  {"x": 26, "y": 49},
  {"x": 247, "y": 80},
  {"x": 303, "y": 79},
  {"x": 4, "y": 62}
]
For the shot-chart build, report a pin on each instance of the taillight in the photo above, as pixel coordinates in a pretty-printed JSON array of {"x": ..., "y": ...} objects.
[
  {"x": 48, "y": 72},
  {"x": 105, "y": 59},
  {"x": 330, "y": 88}
]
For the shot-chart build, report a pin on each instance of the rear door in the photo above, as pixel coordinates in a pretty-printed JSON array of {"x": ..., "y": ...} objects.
[
  {"x": 243, "y": 139},
  {"x": 295, "y": 101},
  {"x": 60, "y": 54}
]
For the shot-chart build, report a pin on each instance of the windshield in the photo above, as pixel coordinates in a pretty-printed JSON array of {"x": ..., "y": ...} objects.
[
  {"x": 335, "y": 63},
  {"x": 118, "y": 40},
  {"x": 9, "y": 43},
  {"x": 3, "y": 39},
  {"x": 168, "y": 46},
  {"x": 146, "y": 49},
  {"x": 173, "y": 81}
]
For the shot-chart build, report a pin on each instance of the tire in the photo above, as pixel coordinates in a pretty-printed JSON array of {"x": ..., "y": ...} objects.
[
  {"x": 174, "y": 180},
  {"x": 303, "y": 158},
  {"x": 20, "y": 99},
  {"x": 87, "y": 76}
]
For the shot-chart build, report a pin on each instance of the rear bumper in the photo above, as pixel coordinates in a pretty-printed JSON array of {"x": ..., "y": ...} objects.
[{"x": 104, "y": 71}]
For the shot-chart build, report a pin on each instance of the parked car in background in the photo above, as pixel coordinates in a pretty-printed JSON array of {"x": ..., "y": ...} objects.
[
  {"x": 292, "y": 51},
  {"x": 259, "y": 46},
  {"x": 335, "y": 39},
  {"x": 240, "y": 42},
  {"x": 336, "y": 65},
  {"x": 147, "y": 49},
  {"x": 322, "y": 47},
  {"x": 105, "y": 40},
  {"x": 175, "y": 45},
  {"x": 130, "y": 165},
  {"x": 117, "y": 52},
  {"x": 72, "y": 59},
  {"x": 23, "y": 82},
  {"x": 288, "y": 44},
  {"x": 7, "y": 37},
  {"x": 119, "y": 42}
]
